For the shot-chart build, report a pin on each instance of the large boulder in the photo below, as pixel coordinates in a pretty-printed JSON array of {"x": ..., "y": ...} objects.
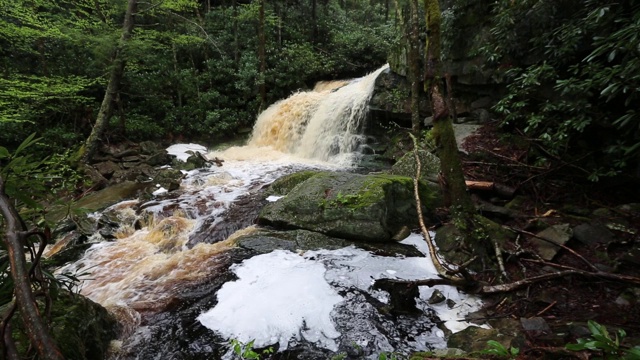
[
  {"x": 81, "y": 328},
  {"x": 351, "y": 206},
  {"x": 265, "y": 241}
]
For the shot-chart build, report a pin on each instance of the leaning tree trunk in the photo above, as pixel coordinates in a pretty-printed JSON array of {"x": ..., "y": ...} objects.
[
  {"x": 115, "y": 76},
  {"x": 15, "y": 236},
  {"x": 455, "y": 190}
]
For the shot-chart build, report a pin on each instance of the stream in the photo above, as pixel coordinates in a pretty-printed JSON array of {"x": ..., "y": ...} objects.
[{"x": 182, "y": 290}]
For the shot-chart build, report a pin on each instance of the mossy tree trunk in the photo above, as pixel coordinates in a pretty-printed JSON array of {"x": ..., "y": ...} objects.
[
  {"x": 454, "y": 186},
  {"x": 115, "y": 77},
  {"x": 413, "y": 57}
]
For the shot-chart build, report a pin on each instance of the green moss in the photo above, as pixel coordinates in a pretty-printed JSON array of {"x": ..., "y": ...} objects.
[
  {"x": 81, "y": 328},
  {"x": 283, "y": 185}
]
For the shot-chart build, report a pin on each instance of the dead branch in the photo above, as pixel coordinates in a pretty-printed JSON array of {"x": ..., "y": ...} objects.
[
  {"x": 442, "y": 269},
  {"x": 524, "y": 232}
]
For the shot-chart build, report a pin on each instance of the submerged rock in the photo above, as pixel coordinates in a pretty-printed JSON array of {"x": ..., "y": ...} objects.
[{"x": 350, "y": 206}]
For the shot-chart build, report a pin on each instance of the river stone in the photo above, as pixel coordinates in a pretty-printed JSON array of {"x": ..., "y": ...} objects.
[
  {"x": 265, "y": 241},
  {"x": 350, "y": 206},
  {"x": 81, "y": 328},
  {"x": 556, "y": 235}
]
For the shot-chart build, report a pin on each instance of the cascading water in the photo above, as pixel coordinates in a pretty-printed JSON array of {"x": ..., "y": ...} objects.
[
  {"x": 324, "y": 124},
  {"x": 160, "y": 276}
]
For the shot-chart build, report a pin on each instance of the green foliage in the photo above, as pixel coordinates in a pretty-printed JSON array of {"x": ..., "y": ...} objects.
[
  {"x": 497, "y": 349},
  {"x": 32, "y": 182},
  {"x": 573, "y": 76},
  {"x": 191, "y": 69},
  {"x": 602, "y": 343},
  {"x": 246, "y": 351}
]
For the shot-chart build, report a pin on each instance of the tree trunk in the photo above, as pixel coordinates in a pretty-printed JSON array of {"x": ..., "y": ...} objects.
[
  {"x": 262, "y": 57},
  {"x": 115, "y": 76},
  {"x": 314, "y": 23},
  {"x": 15, "y": 237},
  {"x": 453, "y": 181},
  {"x": 413, "y": 58},
  {"x": 236, "y": 41}
]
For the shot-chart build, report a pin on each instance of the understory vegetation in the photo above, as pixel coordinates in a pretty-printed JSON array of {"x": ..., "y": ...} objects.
[
  {"x": 192, "y": 68},
  {"x": 572, "y": 75}
]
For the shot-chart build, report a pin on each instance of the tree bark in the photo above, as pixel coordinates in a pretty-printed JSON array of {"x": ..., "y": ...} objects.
[
  {"x": 262, "y": 57},
  {"x": 453, "y": 182},
  {"x": 15, "y": 237},
  {"x": 413, "y": 55},
  {"x": 115, "y": 77}
]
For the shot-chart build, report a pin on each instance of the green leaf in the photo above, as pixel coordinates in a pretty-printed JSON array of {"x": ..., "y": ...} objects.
[{"x": 4, "y": 153}]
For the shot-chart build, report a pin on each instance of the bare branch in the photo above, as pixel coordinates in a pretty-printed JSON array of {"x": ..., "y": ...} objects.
[{"x": 442, "y": 269}]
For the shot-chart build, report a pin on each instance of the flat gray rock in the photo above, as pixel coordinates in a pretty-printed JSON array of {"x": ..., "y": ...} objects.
[{"x": 556, "y": 236}]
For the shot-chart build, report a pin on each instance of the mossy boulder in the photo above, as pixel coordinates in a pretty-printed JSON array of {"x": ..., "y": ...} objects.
[
  {"x": 81, "y": 328},
  {"x": 351, "y": 206},
  {"x": 283, "y": 185},
  {"x": 429, "y": 164}
]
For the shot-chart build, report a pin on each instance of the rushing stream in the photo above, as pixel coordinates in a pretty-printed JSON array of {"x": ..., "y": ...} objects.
[{"x": 182, "y": 290}]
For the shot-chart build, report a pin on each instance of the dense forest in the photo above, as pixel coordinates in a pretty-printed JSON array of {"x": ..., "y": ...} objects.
[{"x": 563, "y": 74}]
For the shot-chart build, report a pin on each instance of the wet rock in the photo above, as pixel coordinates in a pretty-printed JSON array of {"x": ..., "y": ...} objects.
[
  {"x": 67, "y": 248},
  {"x": 437, "y": 297},
  {"x": 590, "y": 234},
  {"x": 241, "y": 214},
  {"x": 168, "y": 178},
  {"x": 555, "y": 235},
  {"x": 283, "y": 185},
  {"x": 402, "y": 298},
  {"x": 100, "y": 199},
  {"x": 350, "y": 206},
  {"x": 158, "y": 158},
  {"x": 265, "y": 241}
]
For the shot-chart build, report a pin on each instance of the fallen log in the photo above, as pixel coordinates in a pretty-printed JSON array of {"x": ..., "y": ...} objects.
[{"x": 499, "y": 189}]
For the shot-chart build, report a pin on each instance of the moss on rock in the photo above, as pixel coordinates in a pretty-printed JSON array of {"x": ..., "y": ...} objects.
[
  {"x": 350, "y": 206},
  {"x": 81, "y": 328}
]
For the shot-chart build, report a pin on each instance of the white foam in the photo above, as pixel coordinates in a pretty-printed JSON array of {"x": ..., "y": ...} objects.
[
  {"x": 282, "y": 296},
  {"x": 278, "y": 297},
  {"x": 180, "y": 150}
]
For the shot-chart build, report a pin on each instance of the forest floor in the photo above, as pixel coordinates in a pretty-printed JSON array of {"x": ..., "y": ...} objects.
[{"x": 556, "y": 312}]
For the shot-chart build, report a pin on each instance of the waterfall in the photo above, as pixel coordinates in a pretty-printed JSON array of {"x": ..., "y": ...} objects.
[{"x": 324, "y": 124}]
